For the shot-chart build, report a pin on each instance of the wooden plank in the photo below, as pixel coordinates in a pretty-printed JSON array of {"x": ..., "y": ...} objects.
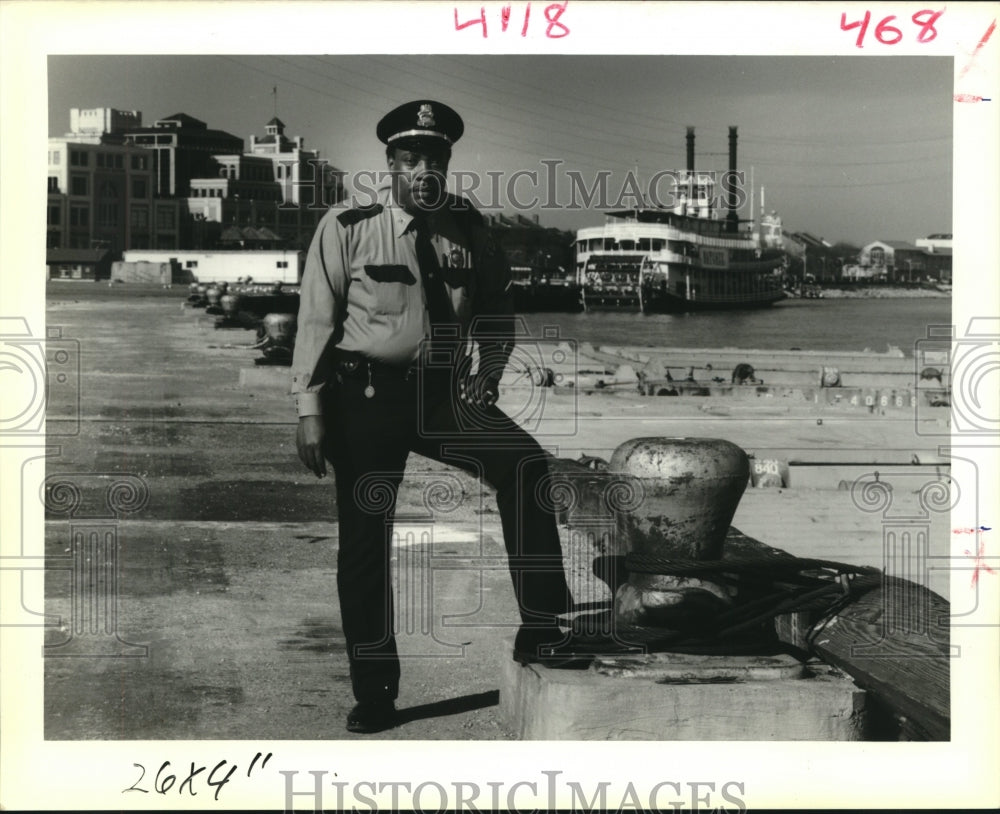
[{"x": 894, "y": 642}]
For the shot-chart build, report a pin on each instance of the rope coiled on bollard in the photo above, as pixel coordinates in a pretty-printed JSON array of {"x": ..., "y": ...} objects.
[
  {"x": 761, "y": 563},
  {"x": 799, "y": 591}
]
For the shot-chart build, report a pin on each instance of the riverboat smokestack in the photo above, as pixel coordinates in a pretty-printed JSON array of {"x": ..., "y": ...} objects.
[
  {"x": 687, "y": 203},
  {"x": 732, "y": 219}
]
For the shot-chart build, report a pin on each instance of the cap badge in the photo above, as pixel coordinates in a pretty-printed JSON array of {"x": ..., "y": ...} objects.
[{"x": 425, "y": 116}]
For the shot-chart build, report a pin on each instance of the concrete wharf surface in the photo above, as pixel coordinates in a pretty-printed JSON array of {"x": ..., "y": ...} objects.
[{"x": 227, "y": 572}]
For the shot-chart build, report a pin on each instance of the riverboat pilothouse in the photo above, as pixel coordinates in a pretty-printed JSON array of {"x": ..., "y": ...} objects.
[{"x": 683, "y": 258}]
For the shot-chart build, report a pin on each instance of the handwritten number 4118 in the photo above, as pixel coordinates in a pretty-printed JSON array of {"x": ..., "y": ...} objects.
[
  {"x": 888, "y": 34},
  {"x": 554, "y": 30}
]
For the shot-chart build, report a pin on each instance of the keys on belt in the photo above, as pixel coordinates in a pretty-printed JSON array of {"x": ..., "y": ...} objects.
[{"x": 355, "y": 365}]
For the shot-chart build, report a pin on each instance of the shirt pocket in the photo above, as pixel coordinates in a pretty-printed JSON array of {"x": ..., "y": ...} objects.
[{"x": 390, "y": 285}]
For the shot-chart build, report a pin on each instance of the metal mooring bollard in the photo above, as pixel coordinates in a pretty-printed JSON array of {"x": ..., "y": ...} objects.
[
  {"x": 280, "y": 330},
  {"x": 690, "y": 489},
  {"x": 230, "y": 305},
  {"x": 213, "y": 294}
]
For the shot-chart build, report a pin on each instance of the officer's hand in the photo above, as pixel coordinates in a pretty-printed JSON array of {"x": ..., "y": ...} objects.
[
  {"x": 309, "y": 440},
  {"x": 479, "y": 391}
]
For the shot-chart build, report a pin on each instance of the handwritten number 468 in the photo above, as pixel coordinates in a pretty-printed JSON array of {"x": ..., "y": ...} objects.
[
  {"x": 888, "y": 34},
  {"x": 555, "y": 29}
]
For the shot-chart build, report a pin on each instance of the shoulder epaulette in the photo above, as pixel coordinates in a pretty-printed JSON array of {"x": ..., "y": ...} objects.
[{"x": 349, "y": 217}]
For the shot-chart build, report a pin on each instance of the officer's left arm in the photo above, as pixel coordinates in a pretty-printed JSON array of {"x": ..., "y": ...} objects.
[{"x": 493, "y": 307}]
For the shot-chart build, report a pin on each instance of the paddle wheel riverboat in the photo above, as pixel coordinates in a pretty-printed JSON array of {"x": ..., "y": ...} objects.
[{"x": 685, "y": 258}]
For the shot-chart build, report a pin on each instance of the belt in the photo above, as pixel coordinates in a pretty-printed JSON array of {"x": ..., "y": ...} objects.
[{"x": 351, "y": 363}]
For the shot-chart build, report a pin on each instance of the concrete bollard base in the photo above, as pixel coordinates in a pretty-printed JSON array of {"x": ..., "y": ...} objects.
[{"x": 680, "y": 697}]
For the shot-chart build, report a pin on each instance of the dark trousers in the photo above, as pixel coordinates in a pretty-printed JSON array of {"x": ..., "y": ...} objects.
[{"x": 368, "y": 441}]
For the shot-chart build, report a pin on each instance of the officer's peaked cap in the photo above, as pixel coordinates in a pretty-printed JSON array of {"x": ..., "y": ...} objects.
[{"x": 423, "y": 119}]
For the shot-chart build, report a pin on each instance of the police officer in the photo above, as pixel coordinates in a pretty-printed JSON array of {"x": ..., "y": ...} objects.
[{"x": 393, "y": 294}]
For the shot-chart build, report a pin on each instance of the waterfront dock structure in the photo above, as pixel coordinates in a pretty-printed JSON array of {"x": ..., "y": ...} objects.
[{"x": 226, "y": 570}]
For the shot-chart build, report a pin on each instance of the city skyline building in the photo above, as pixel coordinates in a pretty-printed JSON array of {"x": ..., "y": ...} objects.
[
  {"x": 116, "y": 184},
  {"x": 278, "y": 191},
  {"x": 101, "y": 195},
  {"x": 183, "y": 147}
]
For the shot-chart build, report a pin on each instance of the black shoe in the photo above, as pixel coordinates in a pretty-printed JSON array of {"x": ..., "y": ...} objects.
[
  {"x": 372, "y": 716},
  {"x": 550, "y": 647}
]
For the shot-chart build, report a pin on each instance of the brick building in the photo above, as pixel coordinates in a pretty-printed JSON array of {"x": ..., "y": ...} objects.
[
  {"x": 117, "y": 184},
  {"x": 101, "y": 195},
  {"x": 278, "y": 187}
]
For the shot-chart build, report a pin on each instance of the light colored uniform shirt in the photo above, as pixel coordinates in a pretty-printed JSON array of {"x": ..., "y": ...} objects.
[{"x": 361, "y": 289}]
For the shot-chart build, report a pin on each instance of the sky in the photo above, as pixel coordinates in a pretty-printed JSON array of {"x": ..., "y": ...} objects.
[{"x": 850, "y": 149}]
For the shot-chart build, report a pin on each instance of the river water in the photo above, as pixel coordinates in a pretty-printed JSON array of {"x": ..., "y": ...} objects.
[
  {"x": 806, "y": 324},
  {"x": 840, "y": 324}
]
